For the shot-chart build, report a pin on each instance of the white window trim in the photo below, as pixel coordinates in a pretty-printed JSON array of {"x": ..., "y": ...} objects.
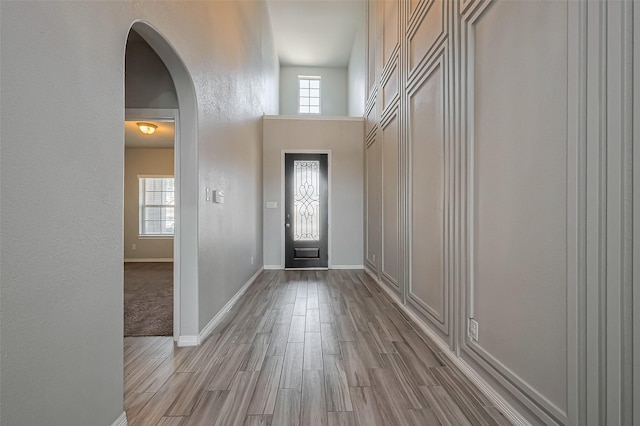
[
  {"x": 142, "y": 236},
  {"x": 311, "y": 77}
]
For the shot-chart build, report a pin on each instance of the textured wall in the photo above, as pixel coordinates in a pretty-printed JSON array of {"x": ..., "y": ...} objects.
[{"x": 61, "y": 280}]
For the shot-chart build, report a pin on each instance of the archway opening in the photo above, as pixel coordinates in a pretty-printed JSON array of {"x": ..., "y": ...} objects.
[{"x": 182, "y": 113}]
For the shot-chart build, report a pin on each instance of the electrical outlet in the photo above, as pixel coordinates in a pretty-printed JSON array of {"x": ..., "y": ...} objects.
[
  {"x": 374, "y": 258},
  {"x": 133, "y": 246},
  {"x": 252, "y": 260},
  {"x": 473, "y": 329}
]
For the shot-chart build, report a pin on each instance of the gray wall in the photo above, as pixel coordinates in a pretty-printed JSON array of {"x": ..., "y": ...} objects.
[
  {"x": 143, "y": 162},
  {"x": 357, "y": 73},
  {"x": 343, "y": 137},
  {"x": 62, "y": 186},
  {"x": 513, "y": 172},
  {"x": 519, "y": 221},
  {"x": 333, "y": 90},
  {"x": 634, "y": 299},
  {"x": 235, "y": 92},
  {"x": 147, "y": 81}
]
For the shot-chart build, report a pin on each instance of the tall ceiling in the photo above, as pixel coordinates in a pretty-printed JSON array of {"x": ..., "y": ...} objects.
[{"x": 315, "y": 33}]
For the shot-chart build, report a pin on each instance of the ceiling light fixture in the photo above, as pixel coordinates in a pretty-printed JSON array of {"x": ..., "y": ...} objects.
[{"x": 147, "y": 128}]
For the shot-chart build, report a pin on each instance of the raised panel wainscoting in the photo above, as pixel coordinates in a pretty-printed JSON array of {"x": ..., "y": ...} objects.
[{"x": 501, "y": 195}]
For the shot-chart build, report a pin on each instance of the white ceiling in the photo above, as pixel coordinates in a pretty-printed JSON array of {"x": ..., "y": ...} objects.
[
  {"x": 162, "y": 138},
  {"x": 315, "y": 33}
]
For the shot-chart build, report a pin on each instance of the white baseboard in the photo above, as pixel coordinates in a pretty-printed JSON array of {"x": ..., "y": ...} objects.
[
  {"x": 121, "y": 421},
  {"x": 148, "y": 260},
  {"x": 273, "y": 267},
  {"x": 484, "y": 387},
  {"x": 188, "y": 341},
  {"x": 218, "y": 317}
]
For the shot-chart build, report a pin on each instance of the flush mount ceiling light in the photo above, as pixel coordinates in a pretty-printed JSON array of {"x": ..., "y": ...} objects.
[{"x": 147, "y": 128}]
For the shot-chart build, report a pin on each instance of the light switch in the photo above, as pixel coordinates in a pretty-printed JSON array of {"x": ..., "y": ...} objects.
[
  {"x": 219, "y": 197},
  {"x": 208, "y": 195},
  {"x": 272, "y": 204}
]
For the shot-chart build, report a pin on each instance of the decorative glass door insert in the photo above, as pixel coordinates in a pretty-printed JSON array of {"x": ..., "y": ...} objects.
[{"x": 306, "y": 223}]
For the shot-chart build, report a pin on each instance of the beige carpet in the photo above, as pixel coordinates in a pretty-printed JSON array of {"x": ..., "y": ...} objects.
[{"x": 148, "y": 299}]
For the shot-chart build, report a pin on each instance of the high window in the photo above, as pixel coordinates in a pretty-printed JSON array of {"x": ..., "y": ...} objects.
[
  {"x": 157, "y": 201},
  {"x": 309, "y": 95}
]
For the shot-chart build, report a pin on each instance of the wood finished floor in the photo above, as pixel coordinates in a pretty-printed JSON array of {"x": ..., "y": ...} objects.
[{"x": 302, "y": 348}]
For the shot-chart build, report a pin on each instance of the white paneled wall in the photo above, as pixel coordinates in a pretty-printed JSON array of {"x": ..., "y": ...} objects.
[{"x": 498, "y": 188}]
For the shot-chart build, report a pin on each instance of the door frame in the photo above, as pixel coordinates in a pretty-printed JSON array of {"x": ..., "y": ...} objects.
[
  {"x": 282, "y": 198},
  {"x": 153, "y": 114}
]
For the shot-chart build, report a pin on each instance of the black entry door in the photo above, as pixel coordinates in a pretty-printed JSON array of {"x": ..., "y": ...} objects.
[{"x": 306, "y": 211}]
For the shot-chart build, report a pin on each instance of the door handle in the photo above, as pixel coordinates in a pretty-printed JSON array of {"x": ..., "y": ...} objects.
[{"x": 287, "y": 225}]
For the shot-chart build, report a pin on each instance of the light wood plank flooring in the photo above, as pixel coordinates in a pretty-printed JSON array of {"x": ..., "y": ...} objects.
[{"x": 303, "y": 348}]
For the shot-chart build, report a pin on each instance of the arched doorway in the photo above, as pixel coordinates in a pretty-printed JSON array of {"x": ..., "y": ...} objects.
[{"x": 185, "y": 249}]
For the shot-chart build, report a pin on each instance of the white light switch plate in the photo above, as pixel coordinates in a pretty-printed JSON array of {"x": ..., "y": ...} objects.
[{"x": 272, "y": 204}]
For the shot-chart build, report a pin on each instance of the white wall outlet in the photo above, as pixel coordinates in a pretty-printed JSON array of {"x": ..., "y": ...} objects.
[
  {"x": 374, "y": 258},
  {"x": 473, "y": 329},
  {"x": 218, "y": 196},
  {"x": 133, "y": 246},
  {"x": 252, "y": 260}
]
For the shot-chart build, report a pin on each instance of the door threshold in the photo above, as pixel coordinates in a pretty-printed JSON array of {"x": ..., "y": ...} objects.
[{"x": 306, "y": 269}]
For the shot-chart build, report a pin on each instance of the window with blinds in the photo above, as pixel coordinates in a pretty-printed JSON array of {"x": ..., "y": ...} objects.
[{"x": 157, "y": 201}]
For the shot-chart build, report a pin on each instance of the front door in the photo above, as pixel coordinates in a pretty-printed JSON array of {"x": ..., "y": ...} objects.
[{"x": 306, "y": 211}]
